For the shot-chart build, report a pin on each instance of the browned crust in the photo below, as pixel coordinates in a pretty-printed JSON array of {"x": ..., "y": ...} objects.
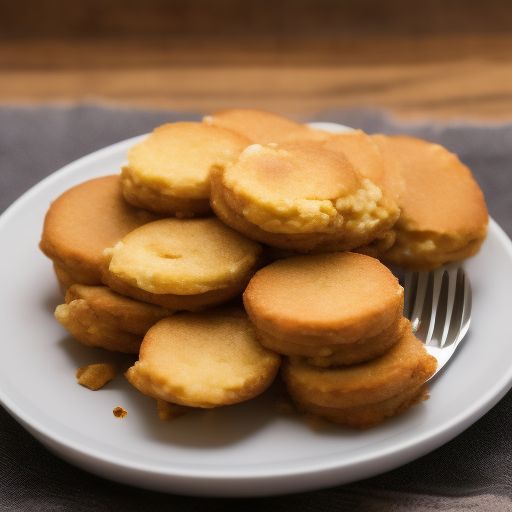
[
  {"x": 96, "y": 211},
  {"x": 175, "y": 302},
  {"x": 156, "y": 201},
  {"x": 368, "y": 416},
  {"x": 341, "y": 353},
  {"x": 444, "y": 216},
  {"x": 280, "y": 281},
  {"x": 404, "y": 366},
  {"x": 81, "y": 321},
  {"x": 117, "y": 310},
  {"x": 316, "y": 242}
]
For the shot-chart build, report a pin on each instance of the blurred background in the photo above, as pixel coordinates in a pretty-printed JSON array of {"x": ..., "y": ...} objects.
[{"x": 430, "y": 58}]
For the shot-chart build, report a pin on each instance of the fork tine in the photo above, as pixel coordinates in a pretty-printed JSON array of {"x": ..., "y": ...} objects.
[
  {"x": 410, "y": 286},
  {"x": 461, "y": 308},
  {"x": 466, "y": 304},
  {"x": 437, "y": 278},
  {"x": 438, "y": 304},
  {"x": 425, "y": 315},
  {"x": 419, "y": 299},
  {"x": 451, "y": 276},
  {"x": 439, "y": 329}
]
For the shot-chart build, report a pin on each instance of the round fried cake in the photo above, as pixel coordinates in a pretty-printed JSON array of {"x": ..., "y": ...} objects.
[
  {"x": 263, "y": 127},
  {"x": 301, "y": 197},
  {"x": 369, "y": 415},
  {"x": 64, "y": 278},
  {"x": 337, "y": 353},
  {"x": 443, "y": 213},
  {"x": 82, "y": 222},
  {"x": 364, "y": 154},
  {"x": 399, "y": 372},
  {"x": 100, "y": 317},
  {"x": 206, "y": 359},
  {"x": 182, "y": 263},
  {"x": 324, "y": 299},
  {"x": 169, "y": 172}
]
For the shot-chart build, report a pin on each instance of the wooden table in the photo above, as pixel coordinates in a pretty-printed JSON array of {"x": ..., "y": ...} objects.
[{"x": 296, "y": 58}]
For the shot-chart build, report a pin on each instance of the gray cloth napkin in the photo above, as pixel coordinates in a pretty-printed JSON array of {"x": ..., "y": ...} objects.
[{"x": 471, "y": 472}]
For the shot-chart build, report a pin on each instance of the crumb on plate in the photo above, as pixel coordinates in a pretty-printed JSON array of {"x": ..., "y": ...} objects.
[
  {"x": 95, "y": 376},
  {"x": 119, "y": 412}
]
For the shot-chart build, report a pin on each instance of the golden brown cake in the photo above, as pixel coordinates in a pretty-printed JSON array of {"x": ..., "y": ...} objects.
[
  {"x": 263, "y": 127},
  {"x": 301, "y": 197},
  {"x": 182, "y": 263},
  {"x": 363, "y": 395},
  {"x": 206, "y": 359},
  {"x": 82, "y": 222},
  {"x": 337, "y": 354},
  {"x": 100, "y": 317},
  {"x": 324, "y": 299},
  {"x": 443, "y": 213},
  {"x": 169, "y": 172},
  {"x": 364, "y": 154},
  {"x": 367, "y": 416}
]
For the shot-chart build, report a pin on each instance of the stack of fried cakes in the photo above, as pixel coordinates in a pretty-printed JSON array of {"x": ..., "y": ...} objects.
[{"x": 295, "y": 219}]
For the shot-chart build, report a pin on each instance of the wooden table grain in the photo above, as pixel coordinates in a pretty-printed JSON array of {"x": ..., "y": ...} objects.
[{"x": 326, "y": 55}]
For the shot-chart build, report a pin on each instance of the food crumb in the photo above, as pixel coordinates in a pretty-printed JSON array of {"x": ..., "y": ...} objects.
[
  {"x": 119, "y": 412},
  {"x": 168, "y": 411},
  {"x": 95, "y": 376}
]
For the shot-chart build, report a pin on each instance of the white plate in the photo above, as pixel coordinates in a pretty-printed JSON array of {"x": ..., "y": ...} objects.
[{"x": 242, "y": 450}]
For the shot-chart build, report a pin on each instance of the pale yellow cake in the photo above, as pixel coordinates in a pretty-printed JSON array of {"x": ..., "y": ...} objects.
[
  {"x": 300, "y": 197},
  {"x": 206, "y": 359},
  {"x": 169, "y": 172}
]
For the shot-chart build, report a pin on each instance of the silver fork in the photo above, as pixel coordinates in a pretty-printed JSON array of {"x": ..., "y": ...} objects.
[{"x": 438, "y": 303}]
